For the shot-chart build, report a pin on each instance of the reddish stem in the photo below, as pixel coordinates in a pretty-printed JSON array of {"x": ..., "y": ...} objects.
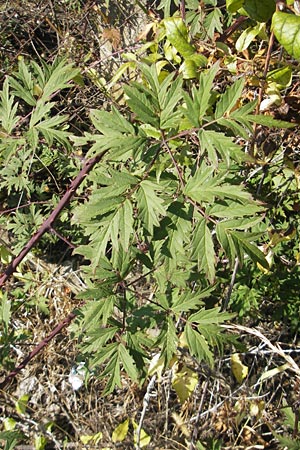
[
  {"x": 48, "y": 223},
  {"x": 64, "y": 323},
  {"x": 47, "y": 226}
]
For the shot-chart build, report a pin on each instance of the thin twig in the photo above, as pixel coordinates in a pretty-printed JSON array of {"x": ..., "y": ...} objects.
[
  {"x": 146, "y": 402},
  {"x": 232, "y": 281},
  {"x": 197, "y": 419}
]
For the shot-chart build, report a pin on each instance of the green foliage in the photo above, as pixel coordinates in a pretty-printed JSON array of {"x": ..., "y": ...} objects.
[
  {"x": 256, "y": 10},
  {"x": 286, "y": 29},
  {"x": 34, "y": 145},
  {"x": 184, "y": 201},
  {"x": 10, "y": 438},
  {"x": 284, "y": 25},
  {"x": 8, "y": 336},
  {"x": 171, "y": 209}
]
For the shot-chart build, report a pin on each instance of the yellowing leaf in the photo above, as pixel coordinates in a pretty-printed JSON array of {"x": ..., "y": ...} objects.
[
  {"x": 181, "y": 423},
  {"x": 256, "y": 408},
  {"x": 184, "y": 383},
  {"x": 9, "y": 424},
  {"x": 182, "y": 341},
  {"x": 144, "y": 437},
  {"x": 270, "y": 258},
  {"x": 21, "y": 404},
  {"x": 88, "y": 438},
  {"x": 120, "y": 432},
  {"x": 272, "y": 372},
  {"x": 156, "y": 366},
  {"x": 40, "y": 442},
  {"x": 239, "y": 370},
  {"x": 282, "y": 235}
]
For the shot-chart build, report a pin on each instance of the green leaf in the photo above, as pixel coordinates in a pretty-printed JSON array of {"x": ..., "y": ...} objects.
[
  {"x": 232, "y": 124},
  {"x": 8, "y": 110},
  {"x": 248, "y": 36},
  {"x": 21, "y": 404},
  {"x": 112, "y": 370},
  {"x": 213, "y": 22},
  {"x": 258, "y": 10},
  {"x": 229, "y": 99},
  {"x": 202, "y": 249},
  {"x": 232, "y": 209},
  {"x": 232, "y": 248},
  {"x": 166, "y": 6},
  {"x": 168, "y": 340},
  {"x": 211, "y": 316},
  {"x": 5, "y": 311},
  {"x": 110, "y": 123},
  {"x": 128, "y": 362},
  {"x": 9, "y": 424},
  {"x": 169, "y": 97},
  {"x": 141, "y": 105},
  {"x": 286, "y": 28},
  {"x": 24, "y": 87},
  {"x": 49, "y": 129},
  {"x": 269, "y": 121},
  {"x": 40, "y": 442},
  {"x": 198, "y": 102},
  {"x": 11, "y": 438},
  {"x": 242, "y": 239},
  {"x": 100, "y": 203},
  {"x": 178, "y": 227},
  {"x": 125, "y": 226},
  {"x": 233, "y": 5},
  {"x": 110, "y": 355},
  {"x": 217, "y": 144},
  {"x": 190, "y": 300},
  {"x": 190, "y": 66},
  {"x": 150, "y": 206},
  {"x": 226, "y": 242},
  {"x": 97, "y": 338},
  {"x": 177, "y": 34},
  {"x": 98, "y": 310},
  {"x": 203, "y": 187},
  {"x": 61, "y": 75},
  {"x": 281, "y": 76},
  {"x": 198, "y": 345},
  {"x": 113, "y": 221}
]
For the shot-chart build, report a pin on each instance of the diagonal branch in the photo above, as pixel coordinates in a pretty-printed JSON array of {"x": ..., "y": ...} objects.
[
  {"x": 48, "y": 223},
  {"x": 64, "y": 323},
  {"x": 47, "y": 226}
]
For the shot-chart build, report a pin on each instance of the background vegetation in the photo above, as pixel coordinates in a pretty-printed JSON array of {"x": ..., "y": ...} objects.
[{"x": 150, "y": 182}]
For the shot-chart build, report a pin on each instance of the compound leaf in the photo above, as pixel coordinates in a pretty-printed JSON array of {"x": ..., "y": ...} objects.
[
  {"x": 150, "y": 206},
  {"x": 198, "y": 345},
  {"x": 128, "y": 362},
  {"x": 229, "y": 99},
  {"x": 203, "y": 249}
]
